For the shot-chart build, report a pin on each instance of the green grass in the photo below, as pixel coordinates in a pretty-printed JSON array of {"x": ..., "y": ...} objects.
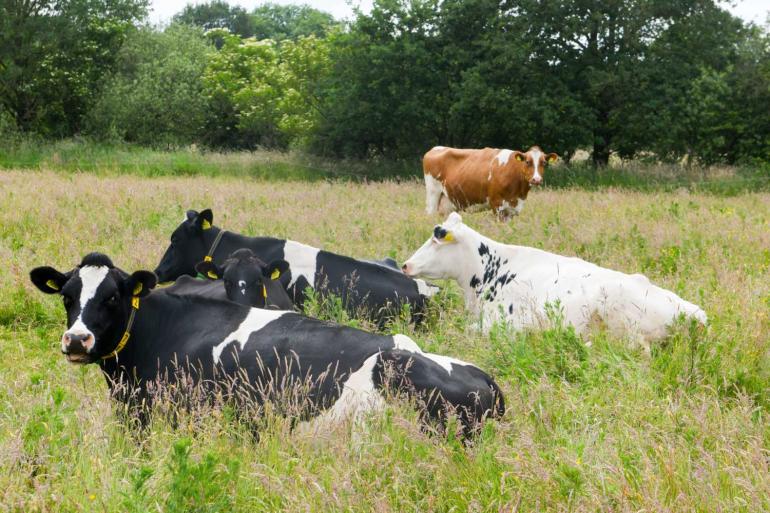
[
  {"x": 603, "y": 427},
  {"x": 84, "y": 155}
]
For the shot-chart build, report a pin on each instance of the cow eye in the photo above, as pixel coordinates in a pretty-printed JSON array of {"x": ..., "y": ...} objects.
[{"x": 113, "y": 300}]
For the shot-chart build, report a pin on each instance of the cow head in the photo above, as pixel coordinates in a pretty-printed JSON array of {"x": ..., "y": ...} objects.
[
  {"x": 189, "y": 245},
  {"x": 439, "y": 257},
  {"x": 97, "y": 297},
  {"x": 249, "y": 281},
  {"x": 536, "y": 162}
]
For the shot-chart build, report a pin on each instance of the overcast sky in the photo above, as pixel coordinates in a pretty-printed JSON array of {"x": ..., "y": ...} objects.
[{"x": 163, "y": 10}]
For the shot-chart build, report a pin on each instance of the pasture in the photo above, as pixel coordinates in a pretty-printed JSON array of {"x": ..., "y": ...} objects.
[{"x": 604, "y": 427}]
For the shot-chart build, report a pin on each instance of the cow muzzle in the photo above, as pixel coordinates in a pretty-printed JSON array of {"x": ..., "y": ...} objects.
[
  {"x": 536, "y": 181},
  {"x": 76, "y": 347}
]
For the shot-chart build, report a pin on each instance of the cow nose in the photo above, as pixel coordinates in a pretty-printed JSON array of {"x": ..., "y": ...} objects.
[
  {"x": 405, "y": 268},
  {"x": 78, "y": 343},
  {"x": 536, "y": 181}
]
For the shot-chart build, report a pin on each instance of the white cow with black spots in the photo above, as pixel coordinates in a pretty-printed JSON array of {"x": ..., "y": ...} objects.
[{"x": 518, "y": 284}]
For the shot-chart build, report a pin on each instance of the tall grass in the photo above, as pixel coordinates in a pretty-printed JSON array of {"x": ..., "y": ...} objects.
[
  {"x": 603, "y": 427},
  {"x": 84, "y": 155}
]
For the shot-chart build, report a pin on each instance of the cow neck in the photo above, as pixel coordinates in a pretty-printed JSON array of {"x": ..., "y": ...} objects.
[
  {"x": 127, "y": 332},
  {"x": 210, "y": 255}
]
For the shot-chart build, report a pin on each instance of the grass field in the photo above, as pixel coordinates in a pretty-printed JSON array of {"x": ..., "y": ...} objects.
[{"x": 599, "y": 428}]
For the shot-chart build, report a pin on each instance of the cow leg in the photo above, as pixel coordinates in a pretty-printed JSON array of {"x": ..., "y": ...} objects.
[
  {"x": 433, "y": 192},
  {"x": 445, "y": 206}
]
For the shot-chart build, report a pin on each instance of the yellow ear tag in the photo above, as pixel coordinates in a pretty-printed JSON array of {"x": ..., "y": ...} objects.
[
  {"x": 264, "y": 291},
  {"x": 275, "y": 275},
  {"x": 520, "y": 157},
  {"x": 208, "y": 258},
  {"x": 449, "y": 237},
  {"x": 137, "y": 289},
  {"x": 552, "y": 159},
  {"x": 135, "y": 303},
  {"x": 52, "y": 284},
  {"x": 212, "y": 275},
  {"x": 206, "y": 225}
]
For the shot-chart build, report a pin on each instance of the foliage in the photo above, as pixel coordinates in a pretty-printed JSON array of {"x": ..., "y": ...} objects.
[
  {"x": 53, "y": 55},
  {"x": 278, "y": 22},
  {"x": 265, "y": 92},
  {"x": 217, "y": 14},
  {"x": 155, "y": 95}
]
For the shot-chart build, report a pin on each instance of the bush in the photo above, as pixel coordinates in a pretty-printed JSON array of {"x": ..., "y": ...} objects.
[{"x": 155, "y": 95}]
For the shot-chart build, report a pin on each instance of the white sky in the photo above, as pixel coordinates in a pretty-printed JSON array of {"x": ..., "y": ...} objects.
[{"x": 162, "y": 10}]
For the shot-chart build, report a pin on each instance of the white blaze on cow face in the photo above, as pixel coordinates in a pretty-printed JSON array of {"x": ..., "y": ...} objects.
[
  {"x": 302, "y": 261},
  {"x": 90, "y": 277},
  {"x": 437, "y": 259},
  {"x": 242, "y": 287},
  {"x": 536, "y": 155}
]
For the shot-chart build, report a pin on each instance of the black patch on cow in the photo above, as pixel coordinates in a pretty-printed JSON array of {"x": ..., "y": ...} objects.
[
  {"x": 439, "y": 232},
  {"x": 96, "y": 260},
  {"x": 510, "y": 309},
  {"x": 493, "y": 280}
]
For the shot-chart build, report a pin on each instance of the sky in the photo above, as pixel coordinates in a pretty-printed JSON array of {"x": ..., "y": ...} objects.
[{"x": 162, "y": 10}]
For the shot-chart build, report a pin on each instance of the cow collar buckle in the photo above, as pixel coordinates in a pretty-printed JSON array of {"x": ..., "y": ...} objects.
[{"x": 127, "y": 333}]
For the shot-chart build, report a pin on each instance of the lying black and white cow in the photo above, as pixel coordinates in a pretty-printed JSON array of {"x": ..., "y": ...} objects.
[
  {"x": 242, "y": 278},
  {"x": 517, "y": 283},
  {"x": 375, "y": 290},
  {"x": 141, "y": 338}
]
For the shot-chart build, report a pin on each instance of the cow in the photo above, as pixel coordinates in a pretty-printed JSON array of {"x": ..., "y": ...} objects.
[
  {"x": 458, "y": 178},
  {"x": 375, "y": 291},
  {"x": 243, "y": 279},
  {"x": 141, "y": 338},
  {"x": 247, "y": 280},
  {"x": 520, "y": 285}
]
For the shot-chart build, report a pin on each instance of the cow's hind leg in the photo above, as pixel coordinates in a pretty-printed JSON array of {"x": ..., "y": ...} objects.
[{"x": 433, "y": 191}]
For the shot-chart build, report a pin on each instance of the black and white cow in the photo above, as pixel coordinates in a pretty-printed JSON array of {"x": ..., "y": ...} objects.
[
  {"x": 517, "y": 284},
  {"x": 247, "y": 280},
  {"x": 141, "y": 338},
  {"x": 375, "y": 290}
]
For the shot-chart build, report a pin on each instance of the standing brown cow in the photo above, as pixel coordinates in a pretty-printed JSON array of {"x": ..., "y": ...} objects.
[{"x": 491, "y": 176}]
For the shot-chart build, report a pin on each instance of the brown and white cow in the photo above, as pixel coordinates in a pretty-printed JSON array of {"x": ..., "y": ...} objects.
[{"x": 499, "y": 178}]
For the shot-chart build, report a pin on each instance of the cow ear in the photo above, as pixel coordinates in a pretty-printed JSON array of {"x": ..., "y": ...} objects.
[
  {"x": 277, "y": 270},
  {"x": 209, "y": 269},
  {"x": 204, "y": 220},
  {"x": 48, "y": 279},
  {"x": 521, "y": 157},
  {"x": 551, "y": 158},
  {"x": 140, "y": 283}
]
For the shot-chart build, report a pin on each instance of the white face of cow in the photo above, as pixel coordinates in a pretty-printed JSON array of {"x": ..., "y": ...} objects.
[{"x": 442, "y": 255}]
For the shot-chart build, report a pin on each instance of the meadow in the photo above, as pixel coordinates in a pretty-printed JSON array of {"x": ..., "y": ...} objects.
[{"x": 603, "y": 427}]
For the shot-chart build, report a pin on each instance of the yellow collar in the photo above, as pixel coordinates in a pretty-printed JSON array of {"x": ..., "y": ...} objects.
[{"x": 127, "y": 333}]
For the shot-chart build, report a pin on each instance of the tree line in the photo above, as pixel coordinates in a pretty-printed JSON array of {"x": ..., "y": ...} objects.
[{"x": 640, "y": 78}]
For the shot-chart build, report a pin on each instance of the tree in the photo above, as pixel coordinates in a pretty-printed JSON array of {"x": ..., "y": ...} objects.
[
  {"x": 599, "y": 48},
  {"x": 278, "y": 22},
  {"x": 217, "y": 14},
  {"x": 53, "y": 55},
  {"x": 155, "y": 96}
]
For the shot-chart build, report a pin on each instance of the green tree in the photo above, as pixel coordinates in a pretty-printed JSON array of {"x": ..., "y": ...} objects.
[
  {"x": 217, "y": 14},
  {"x": 278, "y": 22},
  {"x": 600, "y": 50},
  {"x": 156, "y": 95},
  {"x": 53, "y": 55}
]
